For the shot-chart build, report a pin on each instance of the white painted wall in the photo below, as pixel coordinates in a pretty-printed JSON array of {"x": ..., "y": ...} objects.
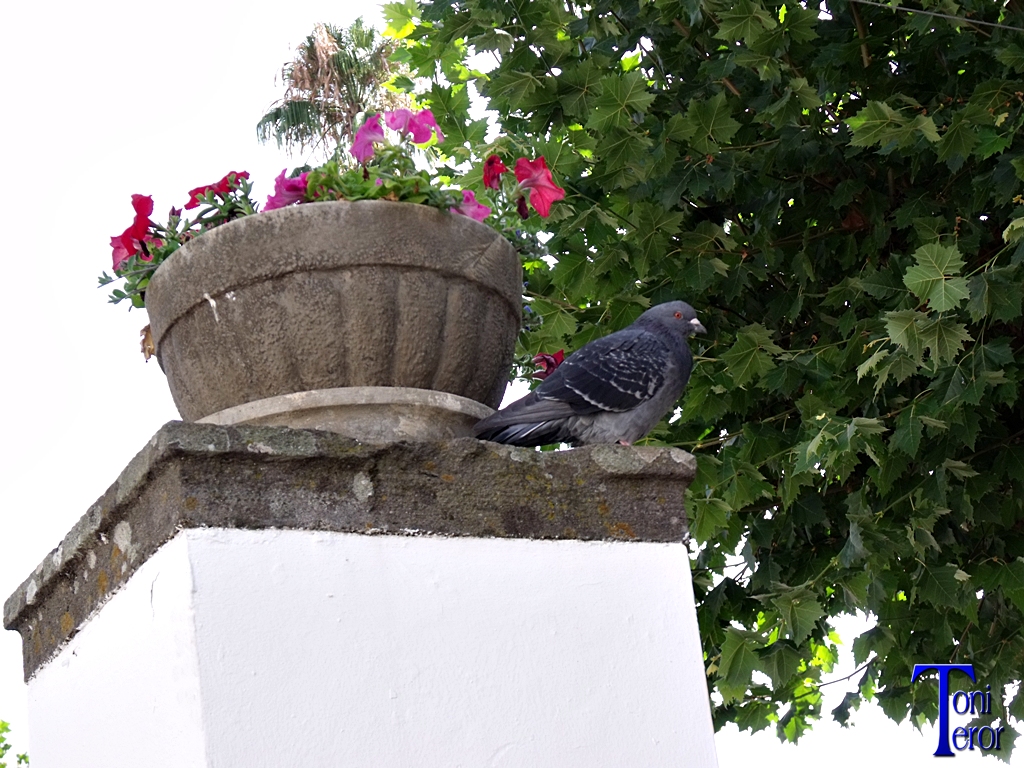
[
  {"x": 333, "y": 649},
  {"x": 125, "y": 690}
]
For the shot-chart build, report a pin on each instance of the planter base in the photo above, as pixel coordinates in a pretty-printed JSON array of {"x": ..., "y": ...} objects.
[{"x": 368, "y": 414}]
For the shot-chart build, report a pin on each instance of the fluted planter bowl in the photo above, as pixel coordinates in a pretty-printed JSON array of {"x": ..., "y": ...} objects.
[{"x": 336, "y": 294}]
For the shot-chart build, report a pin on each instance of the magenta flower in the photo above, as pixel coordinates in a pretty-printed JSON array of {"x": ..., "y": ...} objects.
[
  {"x": 121, "y": 254},
  {"x": 493, "y": 168},
  {"x": 547, "y": 363},
  {"x": 420, "y": 125},
  {"x": 535, "y": 176},
  {"x": 362, "y": 144},
  {"x": 286, "y": 191},
  {"x": 222, "y": 188},
  {"x": 470, "y": 207},
  {"x": 129, "y": 242}
]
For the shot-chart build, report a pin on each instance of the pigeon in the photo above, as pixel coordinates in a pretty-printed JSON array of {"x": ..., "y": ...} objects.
[{"x": 612, "y": 390}]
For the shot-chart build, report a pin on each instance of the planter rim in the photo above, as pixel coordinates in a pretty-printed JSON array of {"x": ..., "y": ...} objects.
[
  {"x": 377, "y": 415},
  {"x": 176, "y": 286},
  {"x": 346, "y": 396}
]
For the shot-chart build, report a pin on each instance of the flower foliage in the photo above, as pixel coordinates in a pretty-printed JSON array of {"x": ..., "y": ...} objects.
[
  {"x": 387, "y": 170},
  {"x": 141, "y": 248},
  {"x": 840, "y": 194},
  {"x": 213, "y": 192}
]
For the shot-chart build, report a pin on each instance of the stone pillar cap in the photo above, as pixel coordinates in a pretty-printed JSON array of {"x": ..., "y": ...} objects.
[{"x": 205, "y": 475}]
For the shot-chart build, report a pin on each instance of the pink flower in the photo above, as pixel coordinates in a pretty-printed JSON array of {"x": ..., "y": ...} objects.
[
  {"x": 535, "y": 176},
  {"x": 470, "y": 207},
  {"x": 547, "y": 363},
  {"x": 420, "y": 125},
  {"x": 121, "y": 254},
  {"x": 286, "y": 191},
  {"x": 362, "y": 144},
  {"x": 129, "y": 242},
  {"x": 222, "y": 188},
  {"x": 493, "y": 168}
]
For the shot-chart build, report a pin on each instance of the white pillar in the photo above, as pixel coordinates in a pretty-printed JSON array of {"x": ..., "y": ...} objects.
[{"x": 228, "y": 646}]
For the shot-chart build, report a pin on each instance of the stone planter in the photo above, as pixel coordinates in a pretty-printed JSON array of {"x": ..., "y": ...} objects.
[{"x": 338, "y": 294}]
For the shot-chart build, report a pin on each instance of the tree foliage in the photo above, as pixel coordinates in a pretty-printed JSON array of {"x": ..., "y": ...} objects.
[
  {"x": 5, "y": 747},
  {"x": 838, "y": 194},
  {"x": 337, "y": 74}
]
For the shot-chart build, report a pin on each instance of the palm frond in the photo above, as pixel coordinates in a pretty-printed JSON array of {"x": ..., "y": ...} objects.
[{"x": 336, "y": 75}]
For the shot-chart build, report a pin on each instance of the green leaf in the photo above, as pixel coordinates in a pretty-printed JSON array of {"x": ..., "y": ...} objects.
[
  {"x": 959, "y": 468},
  {"x": 939, "y": 586},
  {"x": 904, "y": 327},
  {"x": 765, "y": 65},
  {"x": 400, "y": 18},
  {"x": 744, "y": 21},
  {"x": 853, "y": 550},
  {"x": 578, "y": 87},
  {"x": 907, "y": 436},
  {"x": 1012, "y": 56},
  {"x": 492, "y": 40},
  {"x": 710, "y": 124},
  {"x": 799, "y": 612},
  {"x": 749, "y": 359},
  {"x": 944, "y": 337},
  {"x": 991, "y": 142},
  {"x": 622, "y": 96},
  {"x": 780, "y": 661},
  {"x": 739, "y": 660},
  {"x": 710, "y": 515},
  {"x": 1014, "y": 232},
  {"x": 990, "y": 95},
  {"x": 801, "y": 23},
  {"x": 1018, "y": 167},
  {"x": 841, "y": 714},
  {"x": 878, "y": 123},
  {"x": 961, "y": 137},
  {"x": 625, "y": 157},
  {"x": 869, "y": 365},
  {"x": 513, "y": 86},
  {"x": 934, "y": 279},
  {"x": 653, "y": 228}
]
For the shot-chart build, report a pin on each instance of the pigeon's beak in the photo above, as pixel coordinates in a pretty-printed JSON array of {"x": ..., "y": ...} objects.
[{"x": 697, "y": 327}]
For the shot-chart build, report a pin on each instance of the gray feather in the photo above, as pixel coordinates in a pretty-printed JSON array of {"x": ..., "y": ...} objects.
[{"x": 614, "y": 389}]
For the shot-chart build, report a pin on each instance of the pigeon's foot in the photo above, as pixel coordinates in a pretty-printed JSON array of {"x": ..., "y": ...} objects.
[{"x": 624, "y": 442}]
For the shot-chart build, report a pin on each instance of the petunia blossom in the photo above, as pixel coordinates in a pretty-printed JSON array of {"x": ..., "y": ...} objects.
[
  {"x": 470, "y": 207},
  {"x": 493, "y": 168},
  {"x": 128, "y": 243},
  {"x": 287, "y": 191},
  {"x": 222, "y": 188},
  {"x": 547, "y": 363},
  {"x": 362, "y": 144},
  {"x": 535, "y": 176},
  {"x": 121, "y": 254},
  {"x": 420, "y": 124}
]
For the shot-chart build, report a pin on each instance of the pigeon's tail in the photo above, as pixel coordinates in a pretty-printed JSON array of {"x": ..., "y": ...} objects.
[{"x": 527, "y": 435}]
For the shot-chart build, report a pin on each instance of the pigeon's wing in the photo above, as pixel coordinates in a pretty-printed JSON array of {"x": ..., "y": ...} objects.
[{"x": 616, "y": 373}]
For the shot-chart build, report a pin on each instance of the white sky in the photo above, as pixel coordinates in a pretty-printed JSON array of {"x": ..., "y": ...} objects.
[{"x": 107, "y": 99}]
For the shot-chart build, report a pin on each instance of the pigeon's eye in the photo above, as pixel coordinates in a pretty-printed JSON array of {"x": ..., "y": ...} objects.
[{"x": 679, "y": 315}]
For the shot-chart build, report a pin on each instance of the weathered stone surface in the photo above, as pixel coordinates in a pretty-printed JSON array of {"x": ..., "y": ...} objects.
[
  {"x": 368, "y": 414},
  {"x": 336, "y": 294},
  {"x": 197, "y": 475}
]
